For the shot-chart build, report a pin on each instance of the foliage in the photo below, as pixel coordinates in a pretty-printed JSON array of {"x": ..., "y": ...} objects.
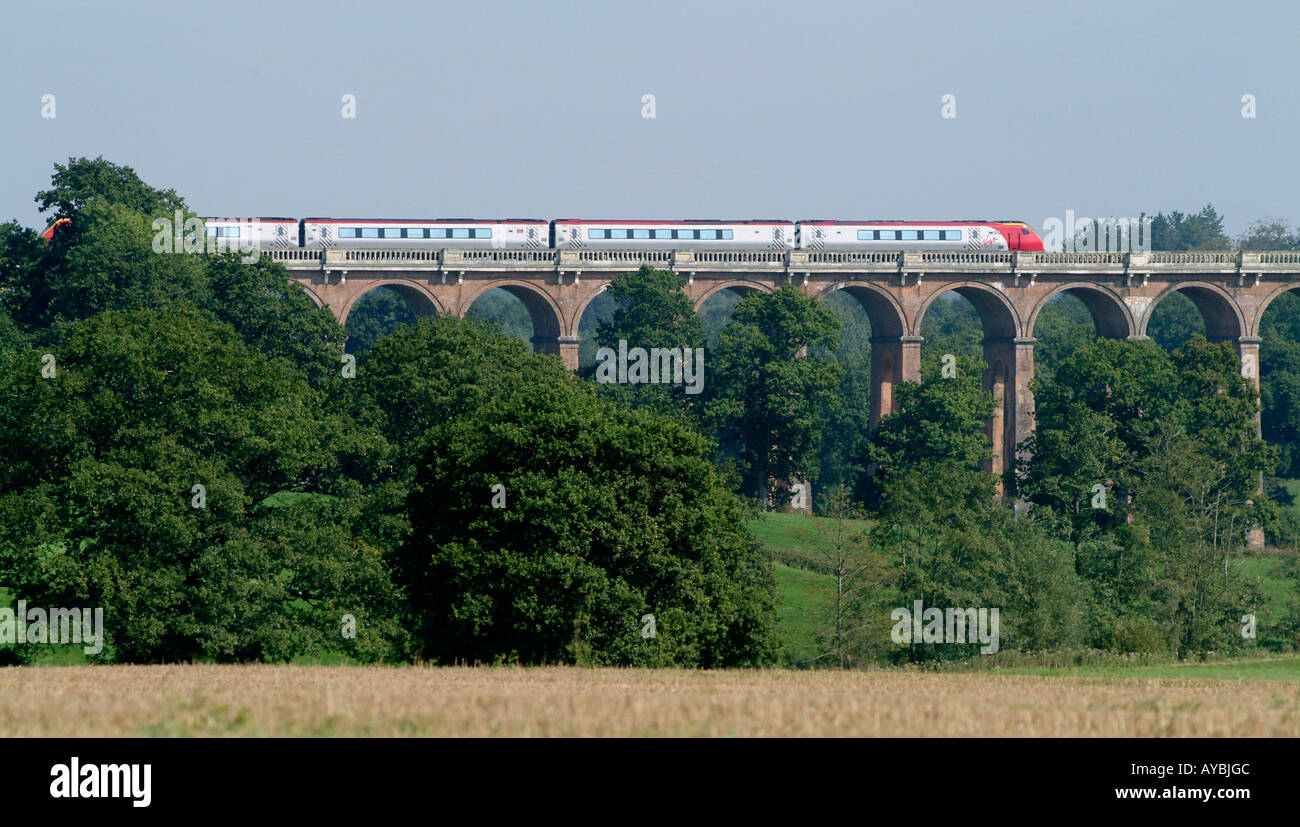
[
  {"x": 764, "y": 398},
  {"x": 376, "y": 314},
  {"x": 98, "y": 505},
  {"x": 651, "y": 311},
  {"x": 607, "y": 515}
]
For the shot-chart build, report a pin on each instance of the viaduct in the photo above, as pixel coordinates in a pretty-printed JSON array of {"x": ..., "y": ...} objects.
[{"x": 1008, "y": 289}]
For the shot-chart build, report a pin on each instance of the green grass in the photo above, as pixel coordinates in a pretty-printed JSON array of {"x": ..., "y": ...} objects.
[
  {"x": 789, "y": 537},
  {"x": 802, "y": 597},
  {"x": 1293, "y": 488}
]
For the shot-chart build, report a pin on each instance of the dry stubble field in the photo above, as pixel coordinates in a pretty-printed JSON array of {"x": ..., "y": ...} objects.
[{"x": 566, "y": 701}]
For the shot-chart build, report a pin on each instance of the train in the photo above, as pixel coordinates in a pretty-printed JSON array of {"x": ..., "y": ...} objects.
[{"x": 575, "y": 233}]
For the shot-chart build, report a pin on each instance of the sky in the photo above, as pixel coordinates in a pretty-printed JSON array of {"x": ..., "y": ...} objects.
[{"x": 761, "y": 109}]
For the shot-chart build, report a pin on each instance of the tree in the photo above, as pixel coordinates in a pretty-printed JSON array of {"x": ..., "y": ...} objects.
[
  {"x": 1199, "y": 231},
  {"x": 764, "y": 397},
  {"x": 972, "y": 552},
  {"x": 81, "y": 181},
  {"x": 651, "y": 311},
  {"x": 1070, "y": 466},
  {"x": 132, "y": 478},
  {"x": 938, "y": 422},
  {"x": 106, "y": 262},
  {"x": 1269, "y": 234},
  {"x": 842, "y": 548},
  {"x": 548, "y": 522},
  {"x": 848, "y": 414},
  {"x": 274, "y": 315}
]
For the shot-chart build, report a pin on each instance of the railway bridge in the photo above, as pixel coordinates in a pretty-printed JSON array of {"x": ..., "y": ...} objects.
[{"x": 1008, "y": 289}]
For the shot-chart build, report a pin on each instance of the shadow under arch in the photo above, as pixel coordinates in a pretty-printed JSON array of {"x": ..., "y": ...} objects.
[
  {"x": 543, "y": 312},
  {"x": 1224, "y": 320},
  {"x": 998, "y": 316},
  {"x": 1110, "y": 315},
  {"x": 421, "y": 302},
  {"x": 883, "y": 310},
  {"x": 895, "y": 358}
]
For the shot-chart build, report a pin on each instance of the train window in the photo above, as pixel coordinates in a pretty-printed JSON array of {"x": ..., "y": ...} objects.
[
  {"x": 640, "y": 233},
  {"x": 1024, "y": 231},
  {"x": 708, "y": 234},
  {"x": 392, "y": 232},
  {"x": 370, "y": 232},
  {"x": 663, "y": 233},
  {"x": 930, "y": 235},
  {"x": 726, "y": 234},
  {"x": 887, "y": 235},
  {"x": 597, "y": 234},
  {"x": 686, "y": 233},
  {"x": 909, "y": 235},
  {"x": 619, "y": 233},
  {"x": 951, "y": 235},
  {"x": 460, "y": 232},
  {"x": 483, "y": 232},
  {"x": 410, "y": 233},
  {"x": 866, "y": 235},
  {"x": 437, "y": 232},
  {"x": 347, "y": 232}
]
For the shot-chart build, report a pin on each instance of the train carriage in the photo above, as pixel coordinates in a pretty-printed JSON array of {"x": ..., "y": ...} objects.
[
  {"x": 254, "y": 233},
  {"x": 574, "y": 233},
  {"x": 398, "y": 233}
]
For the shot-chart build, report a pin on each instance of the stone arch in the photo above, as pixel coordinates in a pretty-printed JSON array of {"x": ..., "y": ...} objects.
[
  {"x": 545, "y": 314},
  {"x": 999, "y": 317},
  {"x": 742, "y": 286},
  {"x": 581, "y": 309},
  {"x": 893, "y": 358},
  {"x": 883, "y": 309},
  {"x": 311, "y": 294},
  {"x": 1110, "y": 314},
  {"x": 1258, "y": 319},
  {"x": 417, "y": 296},
  {"x": 1224, "y": 320}
]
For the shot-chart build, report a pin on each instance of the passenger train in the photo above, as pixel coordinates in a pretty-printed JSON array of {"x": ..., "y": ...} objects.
[{"x": 573, "y": 233}]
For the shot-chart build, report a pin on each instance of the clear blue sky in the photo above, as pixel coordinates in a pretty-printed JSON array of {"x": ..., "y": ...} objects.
[{"x": 763, "y": 109}]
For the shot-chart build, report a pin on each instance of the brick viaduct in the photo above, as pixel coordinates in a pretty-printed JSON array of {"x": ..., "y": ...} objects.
[{"x": 1008, "y": 289}]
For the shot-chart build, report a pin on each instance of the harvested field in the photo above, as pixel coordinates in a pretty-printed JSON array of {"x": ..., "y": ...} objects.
[{"x": 210, "y": 700}]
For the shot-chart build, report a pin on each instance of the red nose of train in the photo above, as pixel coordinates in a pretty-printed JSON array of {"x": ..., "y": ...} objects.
[{"x": 1020, "y": 236}]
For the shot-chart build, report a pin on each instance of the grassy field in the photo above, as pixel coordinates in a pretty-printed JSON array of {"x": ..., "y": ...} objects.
[
  {"x": 803, "y": 592},
  {"x": 205, "y": 700}
]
